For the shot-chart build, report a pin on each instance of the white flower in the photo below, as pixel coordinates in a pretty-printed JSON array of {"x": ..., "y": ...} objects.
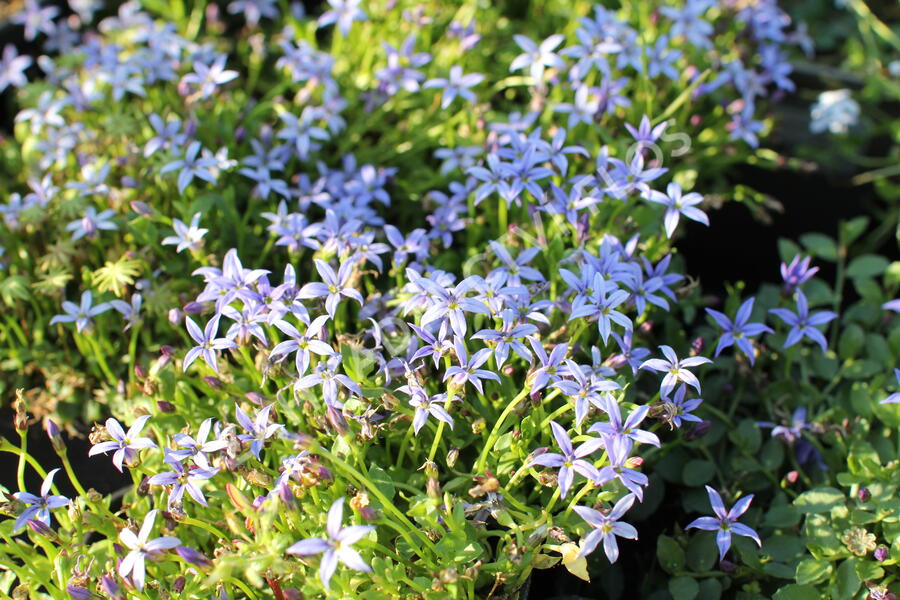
[{"x": 835, "y": 111}]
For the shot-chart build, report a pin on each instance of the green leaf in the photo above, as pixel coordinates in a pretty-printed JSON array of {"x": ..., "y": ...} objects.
[
  {"x": 869, "y": 570},
  {"x": 867, "y": 265},
  {"x": 701, "y": 553},
  {"x": 684, "y": 588},
  {"x": 779, "y": 570},
  {"x": 796, "y": 591},
  {"x": 710, "y": 589},
  {"x": 772, "y": 454},
  {"x": 13, "y": 288},
  {"x": 747, "y": 436},
  {"x": 819, "y": 500},
  {"x": 669, "y": 554},
  {"x": 783, "y": 548},
  {"x": 781, "y": 516},
  {"x": 847, "y": 580},
  {"x": 382, "y": 481},
  {"x": 820, "y": 245},
  {"x": 697, "y": 472},
  {"x": 787, "y": 250},
  {"x": 116, "y": 276},
  {"x": 851, "y": 341},
  {"x": 812, "y": 570},
  {"x": 853, "y": 229}
]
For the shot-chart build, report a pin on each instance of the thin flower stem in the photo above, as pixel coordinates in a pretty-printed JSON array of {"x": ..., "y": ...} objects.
[
  {"x": 559, "y": 411},
  {"x": 440, "y": 429},
  {"x": 552, "y": 502},
  {"x": 386, "y": 504},
  {"x": 100, "y": 358},
  {"x": 210, "y": 528},
  {"x": 5, "y": 446},
  {"x": 243, "y": 587},
  {"x": 497, "y": 430},
  {"x": 23, "y": 456},
  {"x": 403, "y": 445}
]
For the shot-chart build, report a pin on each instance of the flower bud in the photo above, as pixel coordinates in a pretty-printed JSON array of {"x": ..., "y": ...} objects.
[
  {"x": 452, "y": 456},
  {"x": 697, "y": 346},
  {"x": 881, "y": 553},
  {"x": 430, "y": 468},
  {"x": 55, "y": 435},
  {"x": 698, "y": 430},
  {"x": 20, "y": 419},
  {"x": 727, "y": 567},
  {"x": 194, "y": 557},
  {"x": 110, "y": 587},
  {"x": 791, "y": 477},
  {"x": 175, "y": 316},
  {"x": 74, "y": 512},
  {"x": 178, "y": 584},
  {"x": 41, "y": 528},
  {"x": 164, "y": 406},
  {"x": 166, "y": 350},
  {"x": 256, "y": 398},
  {"x": 634, "y": 462},
  {"x": 141, "y": 208},
  {"x": 433, "y": 488},
  {"x": 213, "y": 382},
  {"x": 193, "y": 308},
  {"x": 76, "y": 592},
  {"x": 140, "y": 372},
  {"x": 291, "y": 594},
  {"x": 336, "y": 420},
  {"x": 864, "y": 494},
  {"x": 449, "y": 576}
]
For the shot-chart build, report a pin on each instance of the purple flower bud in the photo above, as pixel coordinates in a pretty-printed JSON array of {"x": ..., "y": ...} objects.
[
  {"x": 140, "y": 371},
  {"x": 213, "y": 382},
  {"x": 881, "y": 553},
  {"x": 239, "y": 134},
  {"x": 256, "y": 398},
  {"x": 110, "y": 587},
  {"x": 193, "y": 557},
  {"x": 336, "y": 420},
  {"x": 40, "y": 528},
  {"x": 167, "y": 350},
  {"x": 697, "y": 345},
  {"x": 698, "y": 431},
  {"x": 194, "y": 308},
  {"x": 141, "y": 208},
  {"x": 190, "y": 128},
  {"x": 175, "y": 316},
  {"x": 291, "y": 594},
  {"x": 286, "y": 495},
  {"x": 727, "y": 567},
  {"x": 52, "y": 429},
  {"x": 164, "y": 406},
  {"x": 864, "y": 495},
  {"x": 78, "y": 593}
]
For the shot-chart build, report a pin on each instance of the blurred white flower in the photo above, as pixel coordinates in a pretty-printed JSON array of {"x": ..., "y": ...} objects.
[{"x": 835, "y": 111}]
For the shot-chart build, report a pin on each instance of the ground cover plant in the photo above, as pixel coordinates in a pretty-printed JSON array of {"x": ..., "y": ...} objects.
[{"x": 383, "y": 300}]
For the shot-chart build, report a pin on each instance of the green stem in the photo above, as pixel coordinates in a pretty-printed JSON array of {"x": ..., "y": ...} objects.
[
  {"x": 23, "y": 456},
  {"x": 386, "y": 504},
  {"x": 206, "y": 526},
  {"x": 440, "y": 429},
  {"x": 497, "y": 430}
]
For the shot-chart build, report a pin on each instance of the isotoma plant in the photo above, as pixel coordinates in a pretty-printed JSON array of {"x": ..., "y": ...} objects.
[{"x": 382, "y": 301}]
